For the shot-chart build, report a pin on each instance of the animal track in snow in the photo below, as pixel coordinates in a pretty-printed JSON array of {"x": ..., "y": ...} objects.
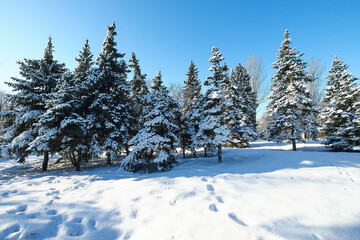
[{"x": 204, "y": 179}]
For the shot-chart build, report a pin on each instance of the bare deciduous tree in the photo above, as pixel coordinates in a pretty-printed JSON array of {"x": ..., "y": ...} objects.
[
  {"x": 256, "y": 69},
  {"x": 316, "y": 69},
  {"x": 176, "y": 92}
]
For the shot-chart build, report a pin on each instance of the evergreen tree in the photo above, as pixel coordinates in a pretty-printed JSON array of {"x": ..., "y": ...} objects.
[
  {"x": 40, "y": 80},
  {"x": 139, "y": 91},
  {"x": 242, "y": 79},
  {"x": 238, "y": 111},
  {"x": 61, "y": 128},
  {"x": 157, "y": 139},
  {"x": 213, "y": 131},
  {"x": 290, "y": 105},
  {"x": 111, "y": 108},
  {"x": 341, "y": 114},
  {"x": 84, "y": 92},
  {"x": 191, "y": 110}
]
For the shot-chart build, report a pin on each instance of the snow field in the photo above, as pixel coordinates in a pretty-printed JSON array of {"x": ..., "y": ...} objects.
[{"x": 264, "y": 192}]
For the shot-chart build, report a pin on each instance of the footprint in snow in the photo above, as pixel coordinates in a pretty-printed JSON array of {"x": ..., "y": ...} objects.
[
  {"x": 8, "y": 233},
  {"x": 210, "y": 188},
  {"x": 128, "y": 235},
  {"x": 7, "y": 193},
  {"x": 219, "y": 199},
  {"x": 18, "y": 209},
  {"x": 51, "y": 212},
  {"x": 134, "y": 213},
  {"x": 204, "y": 179},
  {"x": 213, "y": 207},
  {"x": 91, "y": 224},
  {"x": 233, "y": 217}
]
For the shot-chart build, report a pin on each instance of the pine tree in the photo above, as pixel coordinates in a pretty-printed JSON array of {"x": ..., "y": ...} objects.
[
  {"x": 249, "y": 107},
  {"x": 40, "y": 80},
  {"x": 290, "y": 105},
  {"x": 213, "y": 131},
  {"x": 341, "y": 114},
  {"x": 157, "y": 139},
  {"x": 238, "y": 111},
  {"x": 139, "y": 91},
  {"x": 111, "y": 108},
  {"x": 61, "y": 128},
  {"x": 84, "y": 89},
  {"x": 191, "y": 109}
]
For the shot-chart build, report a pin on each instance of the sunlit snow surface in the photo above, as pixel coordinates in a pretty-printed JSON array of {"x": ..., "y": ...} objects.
[{"x": 265, "y": 192}]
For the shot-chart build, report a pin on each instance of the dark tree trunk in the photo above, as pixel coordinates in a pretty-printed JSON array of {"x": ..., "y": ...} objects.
[
  {"x": 183, "y": 151},
  {"x": 194, "y": 152},
  {"x": 205, "y": 152},
  {"x": 293, "y": 144},
  {"x": 77, "y": 166},
  {"x": 293, "y": 139},
  {"x": 108, "y": 158},
  {"x": 46, "y": 161},
  {"x": 127, "y": 150},
  {"x": 219, "y": 154}
]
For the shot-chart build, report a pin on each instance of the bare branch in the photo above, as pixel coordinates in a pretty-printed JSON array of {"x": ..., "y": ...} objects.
[
  {"x": 256, "y": 69},
  {"x": 316, "y": 69},
  {"x": 176, "y": 92}
]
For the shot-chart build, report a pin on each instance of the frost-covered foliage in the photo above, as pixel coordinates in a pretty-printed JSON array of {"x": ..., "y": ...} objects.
[
  {"x": 213, "y": 131},
  {"x": 110, "y": 108},
  {"x": 290, "y": 103},
  {"x": 240, "y": 108},
  {"x": 139, "y": 91},
  {"x": 157, "y": 139},
  {"x": 341, "y": 114},
  {"x": 61, "y": 128},
  {"x": 39, "y": 80},
  {"x": 192, "y": 96}
]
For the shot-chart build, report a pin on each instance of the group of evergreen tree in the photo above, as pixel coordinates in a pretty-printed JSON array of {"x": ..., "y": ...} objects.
[
  {"x": 293, "y": 113},
  {"x": 94, "y": 110}
]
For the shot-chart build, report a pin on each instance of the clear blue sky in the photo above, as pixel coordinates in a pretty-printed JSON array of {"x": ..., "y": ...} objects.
[{"x": 167, "y": 34}]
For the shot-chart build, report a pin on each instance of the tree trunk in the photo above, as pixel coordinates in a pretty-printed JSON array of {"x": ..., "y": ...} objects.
[
  {"x": 183, "y": 150},
  {"x": 77, "y": 166},
  {"x": 108, "y": 158},
  {"x": 219, "y": 154},
  {"x": 205, "y": 152},
  {"x": 46, "y": 161},
  {"x": 127, "y": 150},
  {"x": 293, "y": 144}
]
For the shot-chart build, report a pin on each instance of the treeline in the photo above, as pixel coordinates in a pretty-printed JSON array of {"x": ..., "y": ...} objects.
[{"x": 96, "y": 109}]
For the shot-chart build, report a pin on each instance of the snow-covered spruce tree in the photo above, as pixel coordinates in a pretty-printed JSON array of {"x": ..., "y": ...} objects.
[
  {"x": 40, "y": 79},
  {"x": 111, "y": 108},
  {"x": 290, "y": 103},
  {"x": 213, "y": 130},
  {"x": 240, "y": 110},
  {"x": 85, "y": 93},
  {"x": 243, "y": 80},
  {"x": 157, "y": 139},
  {"x": 61, "y": 128},
  {"x": 139, "y": 91},
  {"x": 341, "y": 114},
  {"x": 191, "y": 94}
]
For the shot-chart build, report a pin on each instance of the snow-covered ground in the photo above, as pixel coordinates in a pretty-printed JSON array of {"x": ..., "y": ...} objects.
[{"x": 265, "y": 192}]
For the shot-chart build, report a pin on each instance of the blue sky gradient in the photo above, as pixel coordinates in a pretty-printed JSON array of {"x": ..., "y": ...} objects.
[{"x": 166, "y": 35}]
